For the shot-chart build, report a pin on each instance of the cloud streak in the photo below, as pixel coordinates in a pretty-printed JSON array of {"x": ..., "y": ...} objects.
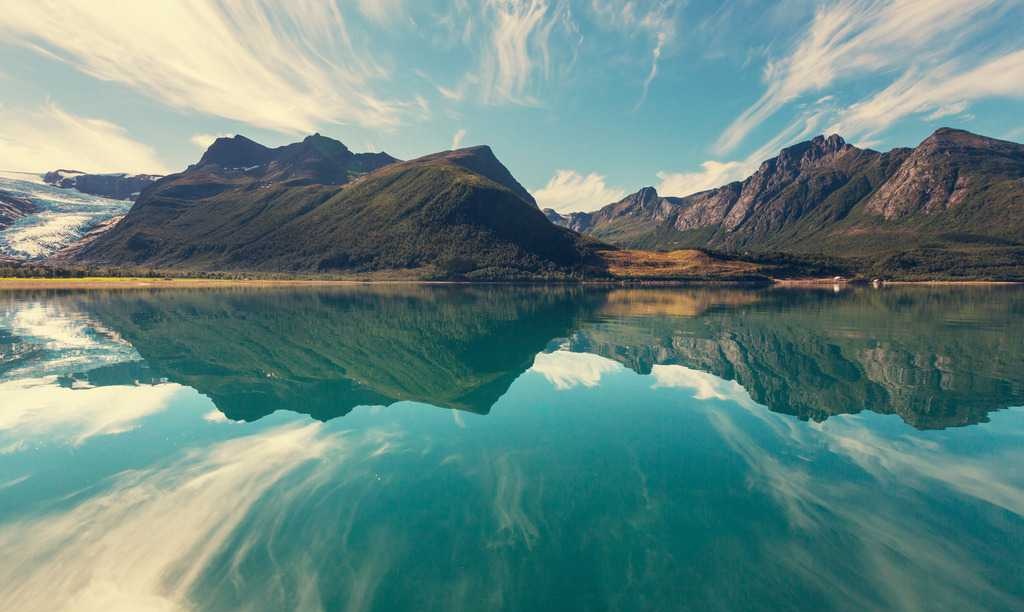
[
  {"x": 33, "y": 141},
  {"x": 656, "y": 19},
  {"x": 518, "y": 48},
  {"x": 942, "y": 92},
  {"x": 457, "y": 139},
  {"x": 854, "y": 37},
  {"x": 287, "y": 68},
  {"x": 145, "y": 543}
]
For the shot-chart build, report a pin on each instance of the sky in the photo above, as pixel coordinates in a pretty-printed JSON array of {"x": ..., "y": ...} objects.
[{"x": 585, "y": 101}]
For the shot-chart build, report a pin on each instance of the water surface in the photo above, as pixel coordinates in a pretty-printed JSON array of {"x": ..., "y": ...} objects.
[{"x": 415, "y": 448}]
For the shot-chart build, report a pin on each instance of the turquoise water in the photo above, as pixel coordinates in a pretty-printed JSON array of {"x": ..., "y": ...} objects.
[{"x": 498, "y": 448}]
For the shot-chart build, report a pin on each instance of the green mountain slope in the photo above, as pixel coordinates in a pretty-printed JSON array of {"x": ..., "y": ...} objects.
[{"x": 244, "y": 207}]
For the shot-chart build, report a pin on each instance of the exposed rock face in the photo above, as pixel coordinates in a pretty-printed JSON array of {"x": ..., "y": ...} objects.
[
  {"x": 790, "y": 357},
  {"x": 14, "y": 207},
  {"x": 783, "y": 191},
  {"x": 117, "y": 186},
  {"x": 826, "y": 196},
  {"x": 944, "y": 171}
]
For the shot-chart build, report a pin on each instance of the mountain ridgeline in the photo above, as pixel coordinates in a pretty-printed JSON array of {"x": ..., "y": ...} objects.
[
  {"x": 315, "y": 207},
  {"x": 951, "y": 207},
  {"x": 117, "y": 185}
]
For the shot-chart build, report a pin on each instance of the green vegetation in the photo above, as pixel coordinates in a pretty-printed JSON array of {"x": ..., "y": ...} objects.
[{"x": 418, "y": 218}]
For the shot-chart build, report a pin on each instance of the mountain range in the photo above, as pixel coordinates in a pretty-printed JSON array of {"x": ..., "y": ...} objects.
[
  {"x": 315, "y": 207},
  {"x": 954, "y": 205}
]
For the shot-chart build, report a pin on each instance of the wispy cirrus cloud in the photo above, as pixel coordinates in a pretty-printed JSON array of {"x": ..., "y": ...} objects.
[
  {"x": 517, "y": 50},
  {"x": 39, "y": 139},
  {"x": 655, "y": 19},
  {"x": 569, "y": 191},
  {"x": 856, "y": 37},
  {"x": 943, "y": 91},
  {"x": 286, "y": 67}
]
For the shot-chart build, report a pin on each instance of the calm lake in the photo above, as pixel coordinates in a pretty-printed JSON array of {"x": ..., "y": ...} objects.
[{"x": 420, "y": 448}]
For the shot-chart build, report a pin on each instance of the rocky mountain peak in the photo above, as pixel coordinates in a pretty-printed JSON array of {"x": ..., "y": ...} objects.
[
  {"x": 325, "y": 145},
  {"x": 940, "y": 174},
  {"x": 235, "y": 152},
  {"x": 645, "y": 196},
  {"x": 812, "y": 151}
]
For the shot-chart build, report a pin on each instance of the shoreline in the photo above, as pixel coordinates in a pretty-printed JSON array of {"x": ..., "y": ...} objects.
[
  {"x": 14, "y": 283},
  {"x": 828, "y": 282}
]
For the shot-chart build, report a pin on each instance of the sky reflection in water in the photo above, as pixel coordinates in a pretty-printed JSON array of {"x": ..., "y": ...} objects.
[{"x": 413, "y": 448}]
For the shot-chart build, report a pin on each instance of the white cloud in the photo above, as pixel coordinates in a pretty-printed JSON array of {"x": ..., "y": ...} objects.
[
  {"x": 50, "y": 137},
  {"x": 569, "y": 191},
  {"x": 144, "y": 541},
  {"x": 457, "y": 139},
  {"x": 704, "y": 386},
  {"x": 566, "y": 370},
  {"x": 36, "y": 410},
  {"x": 287, "y": 67},
  {"x": 203, "y": 141},
  {"x": 216, "y": 416},
  {"x": 948, "y": 110},
  {"x": 712, "y": 174},
  {"x": 860, "y": 36},
  {"x": 943, "y": 91},
  {"x": 383, "y": 12}
]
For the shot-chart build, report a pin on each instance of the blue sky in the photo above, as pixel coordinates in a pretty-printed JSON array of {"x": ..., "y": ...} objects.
[{"x": 583, "y": 100}]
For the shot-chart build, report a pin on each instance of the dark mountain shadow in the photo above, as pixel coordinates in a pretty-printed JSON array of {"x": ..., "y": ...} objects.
[
  {"x": 935, "y": 357},
  {"x": 323, "y": 352}
]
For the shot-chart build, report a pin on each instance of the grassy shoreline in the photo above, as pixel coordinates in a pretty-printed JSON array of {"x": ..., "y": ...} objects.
[{"x": 127, "y": 282}]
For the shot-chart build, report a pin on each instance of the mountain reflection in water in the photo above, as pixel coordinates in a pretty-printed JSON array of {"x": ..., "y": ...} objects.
[
  {"x": 937, "y": 358},
  {"x": 635, "y": 449}
]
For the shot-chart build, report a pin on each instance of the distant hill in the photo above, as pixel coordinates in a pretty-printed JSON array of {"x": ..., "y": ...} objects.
[
  {"x": 316, "y": 207},
  {"x": 117, "y": 186},
  {"x": 317, "y": 160},
  {"x": 952, "y": 206}
]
